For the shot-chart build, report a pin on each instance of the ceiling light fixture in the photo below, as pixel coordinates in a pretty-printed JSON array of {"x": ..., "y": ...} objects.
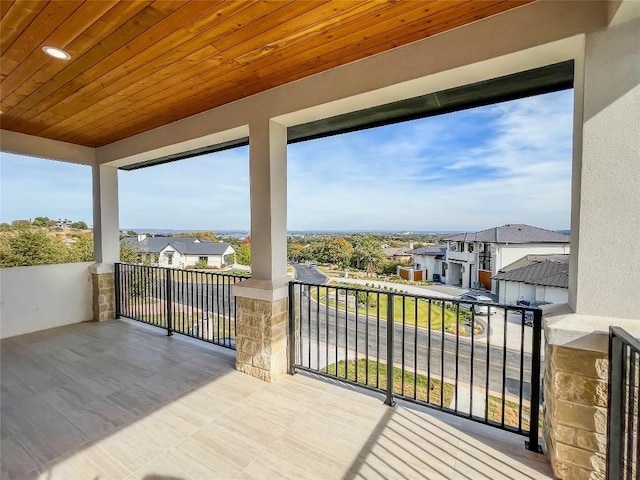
[{"x": 56, "y": 52}]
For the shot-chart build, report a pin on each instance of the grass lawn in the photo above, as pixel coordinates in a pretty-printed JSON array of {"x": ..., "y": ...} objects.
[
  {"x": 409, "y": 310},
  {"x": 184, "y": 323},
  {"x": 358, "y": 373},
  {"x": 191, "y": 276}
]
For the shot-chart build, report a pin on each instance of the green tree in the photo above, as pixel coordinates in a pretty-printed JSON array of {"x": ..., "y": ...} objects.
[
  {"x": 82, "y": 249},
  {"x": 294, "y": 251},
  {"x": 368, "y": 253},
  {"x": 201, "y": 264},
  {"x": 32, "y": 246},
  {"x": 337, "y": 250},
  {"x": 128, "y": 253},
  {"x": 40, "y": 221},
  {"x": 206, "y": 235},
  {"x": 79, "y": 225},
  {"x": 243, "y": 254},
  {"x": 21, "y": 224}
]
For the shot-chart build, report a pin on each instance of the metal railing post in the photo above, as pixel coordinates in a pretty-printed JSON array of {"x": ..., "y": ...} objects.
[
  {"x": 168, "y": 294},
  {"x": 534, "y": 413},
  {"x": 615, "y": 407},
  {"x": 116, "y": 281},
  {"x": 292, "y": 328},
  {"x": 390, "y": 334}
]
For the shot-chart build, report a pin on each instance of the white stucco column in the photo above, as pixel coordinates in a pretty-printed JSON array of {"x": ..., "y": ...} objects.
[
  {"x": 604, "y": 274},
  {"x": 262, "y": 301},
  {"x": 268, "y": 177},
  {"x": 606, "y": 183},
  {"x": 106, "y": 230},
  {"x": 106, "y": 241}
]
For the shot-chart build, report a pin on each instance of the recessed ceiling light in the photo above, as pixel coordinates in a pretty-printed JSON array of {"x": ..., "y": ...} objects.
[{"x": 56, "y": 53}]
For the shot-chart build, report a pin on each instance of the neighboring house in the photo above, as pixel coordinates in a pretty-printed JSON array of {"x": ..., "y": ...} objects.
[
  {"x": 473, "y": 259},
  {"x": 535, "y": 278},
  {"x": 181, "y": 252},
  {"x": 63, "y": 224},
  {"x": 397, "y": 254},
  {"x": 427, "y": 261}
]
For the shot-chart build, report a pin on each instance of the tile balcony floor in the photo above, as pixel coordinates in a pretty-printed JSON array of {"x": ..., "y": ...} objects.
[{"x": 120, "y": 400}]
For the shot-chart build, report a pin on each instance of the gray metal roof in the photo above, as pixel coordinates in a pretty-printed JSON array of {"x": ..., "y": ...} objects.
[
  {"x": 430, "y": 250},
  {"x": 184, "y": 245},
  {"x": 512, "y": 233},
  {"x": 535, "y": 258},
  {"x": 548, "y": 274}
]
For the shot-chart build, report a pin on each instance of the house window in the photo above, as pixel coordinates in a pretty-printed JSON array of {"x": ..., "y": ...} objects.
[
  {"x": 444, "y": 269},
  {"x": 470, "y": 248},
  {"x": 203, "y": 259},
  {"x": 169, "y": 258}
]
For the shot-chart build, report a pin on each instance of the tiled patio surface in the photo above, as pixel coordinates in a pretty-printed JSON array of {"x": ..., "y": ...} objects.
[{"x": 120, "y": 400}]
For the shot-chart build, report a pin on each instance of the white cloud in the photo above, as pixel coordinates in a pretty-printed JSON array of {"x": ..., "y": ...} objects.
[{"x": 468, "y": 170}]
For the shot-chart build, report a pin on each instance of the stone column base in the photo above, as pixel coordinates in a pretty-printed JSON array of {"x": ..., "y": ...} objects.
[
  {"x": 104, "y": 297},
  {"x": 575, "y": 427},
  {"x": 261, "y": 337}
]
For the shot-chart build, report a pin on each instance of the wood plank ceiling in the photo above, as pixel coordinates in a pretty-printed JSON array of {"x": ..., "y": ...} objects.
[{"x": 141, "y": 64}]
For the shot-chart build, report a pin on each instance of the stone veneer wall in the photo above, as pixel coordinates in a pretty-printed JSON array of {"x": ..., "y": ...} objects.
[
  {"x": 261, "y": 337},
  {"x": 104, "y": 297},
  {"x": 575, "y": 426}
]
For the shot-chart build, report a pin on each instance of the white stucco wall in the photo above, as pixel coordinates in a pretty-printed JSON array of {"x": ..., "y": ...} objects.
[
  {"x": 552, "y": 294},
  {"x": 605, "y": 193},
  {"x": 44, "y": 296},
  {"x": 429, "y": 263},
  {"x": 507, "y": 254},
  {"x": 511, "y": 292}
]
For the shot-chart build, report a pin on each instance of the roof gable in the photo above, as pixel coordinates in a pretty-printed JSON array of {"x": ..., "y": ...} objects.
[
  {"x": 184, "y": 245},
  {"x": 547, "y": 273},
  {"x": 512, "y": 233}
]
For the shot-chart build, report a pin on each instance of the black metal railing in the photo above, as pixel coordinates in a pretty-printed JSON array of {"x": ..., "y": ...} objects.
[
  {"x": 466, "y": 358},
  {"x": 623, "y": 429},
  {"x": 194, "y": 303}
]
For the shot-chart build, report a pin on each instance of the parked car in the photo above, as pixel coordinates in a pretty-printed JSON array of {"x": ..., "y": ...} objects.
[
  {"x": 313, "y": 265},
  {"x": 477, "y": 309},
  {"x": 528, "y": 315}
]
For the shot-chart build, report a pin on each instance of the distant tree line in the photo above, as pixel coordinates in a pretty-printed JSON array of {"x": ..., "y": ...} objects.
[
  {"x": 360, "y": 251},
  {"x": 28, "y": 246},
  {"x": 40, "y": 222}
]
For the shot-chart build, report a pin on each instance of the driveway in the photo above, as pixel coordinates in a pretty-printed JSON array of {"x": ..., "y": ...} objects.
[{"x": 309, "y": 275}]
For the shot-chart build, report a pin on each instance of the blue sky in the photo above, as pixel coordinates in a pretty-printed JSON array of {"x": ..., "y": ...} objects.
[{"x": 469, "y": 170}]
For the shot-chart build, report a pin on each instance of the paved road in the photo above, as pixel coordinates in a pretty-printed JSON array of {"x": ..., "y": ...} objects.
[
  {"x": 309, "y": 275},
  {"x": 328, "y": 335}
]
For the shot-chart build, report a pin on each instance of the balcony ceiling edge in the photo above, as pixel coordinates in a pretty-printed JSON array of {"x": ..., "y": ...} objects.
[{"x": 369, "y": 82}]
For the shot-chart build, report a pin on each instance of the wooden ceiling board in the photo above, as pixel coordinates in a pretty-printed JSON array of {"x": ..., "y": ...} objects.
[
  {"x": 369, "y": 42},
  {"x": 172, "y": 63},
  {"x": 15, "y": 20},
  {"x": 139, "y": 65},
  {"x": 121, "y": 63},
  {"x": 222, "y": 78},
  {"x": 217, "y": 79},
  {"x": 200, "y": 77},
  {"x": 85, "y": 49},
  {"x": 5, "y": 6},
  {"x": 32, "y": 37},
  {"x": 69, "y": 30},
  {"x": 98, "y": 53}
]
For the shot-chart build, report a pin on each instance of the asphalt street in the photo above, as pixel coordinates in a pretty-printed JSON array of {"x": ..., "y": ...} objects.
[{"x": 329, "y": 335}]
